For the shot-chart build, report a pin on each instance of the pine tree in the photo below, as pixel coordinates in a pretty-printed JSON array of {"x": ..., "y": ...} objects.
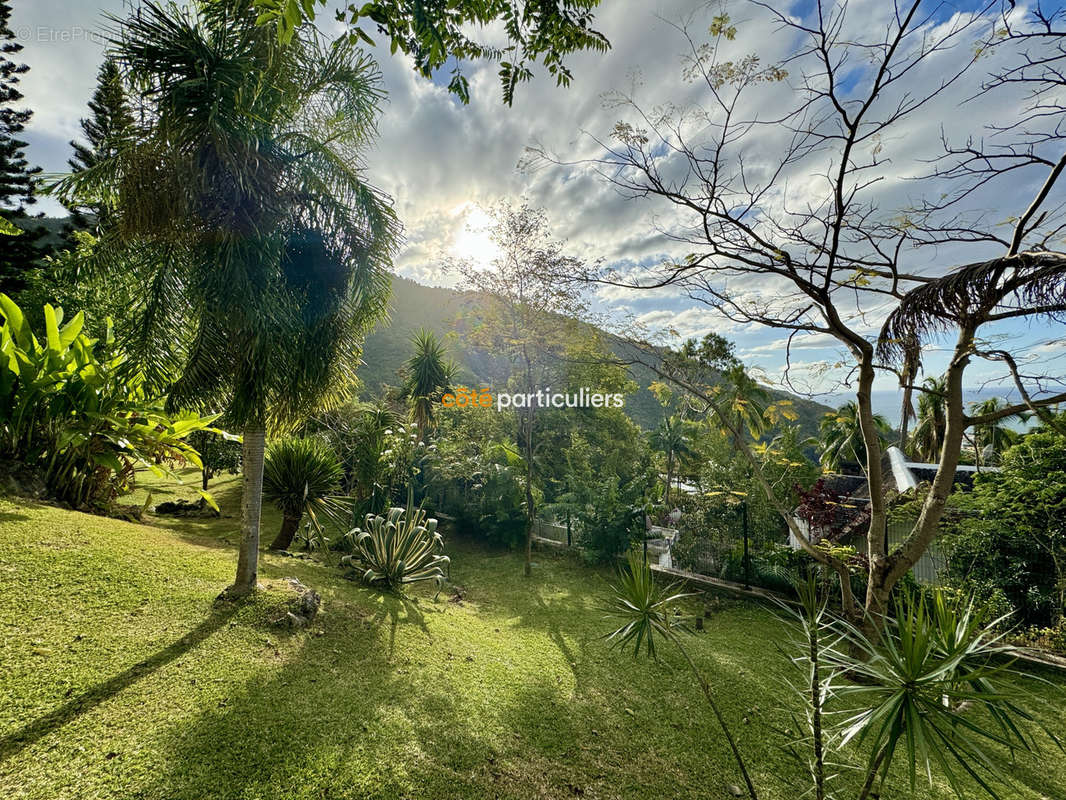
[
  {"x": 110, "y": 120},
  {"x": 18, "y": 181}
]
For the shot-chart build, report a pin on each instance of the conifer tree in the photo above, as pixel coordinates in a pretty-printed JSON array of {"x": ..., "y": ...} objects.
[
  {"x": 110, "y": 119},
  {"x": 18, "y": 181}
]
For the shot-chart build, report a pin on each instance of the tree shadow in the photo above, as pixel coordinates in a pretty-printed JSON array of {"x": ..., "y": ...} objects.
[
  {"x": 330, "y": 719},
  {"x": 18, "y": 740},
  {"x": 395, "y": 610},
  {"x": 12, "y": 516}
]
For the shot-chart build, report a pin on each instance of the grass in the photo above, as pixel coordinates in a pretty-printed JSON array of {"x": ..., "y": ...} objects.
[{"x": 120, "y": 678}]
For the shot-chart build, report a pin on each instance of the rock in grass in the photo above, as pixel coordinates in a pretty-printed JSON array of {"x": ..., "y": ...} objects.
[
  {"x": 308, "y": 600},
  {"x": 734, "y": 790}
]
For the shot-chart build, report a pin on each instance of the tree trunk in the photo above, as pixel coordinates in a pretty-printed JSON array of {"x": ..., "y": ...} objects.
[
  {"x": 906, "y": 411},
  {"x": 207, "y": 475},
  {"x": 251, "y": 509},
  {"x": 875, "y": 534},
  {"x": 289, "y": 526},
  {"x": 669, "y": 477},
  {"x": 886, "y": 570},
  {"x": 530, "y": 511}
]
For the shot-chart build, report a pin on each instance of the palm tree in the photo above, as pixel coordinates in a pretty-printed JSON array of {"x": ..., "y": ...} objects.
[
  {"x": 928, "y": 438},
  {"x": 429, "y": 373},
  {"x": 239, "y": 206},
  {"x": 301, "y": 476},
  {"x": 992, "y": 438},
  {"x": 746, "y": 401},
  {"x": 842, "y": 438},
  {"x": 671, "y": 438}
]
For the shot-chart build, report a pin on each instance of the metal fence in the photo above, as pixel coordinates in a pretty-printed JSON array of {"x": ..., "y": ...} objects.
[{"x": 932, "y": 562}]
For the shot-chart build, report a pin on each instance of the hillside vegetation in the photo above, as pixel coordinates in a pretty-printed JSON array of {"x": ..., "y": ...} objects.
[{"x": 448, "y": 313}]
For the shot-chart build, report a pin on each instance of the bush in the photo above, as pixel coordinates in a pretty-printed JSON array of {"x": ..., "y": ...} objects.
[
  {"x": 71, "y": 408},
  {"x": 609, "y": 524}
]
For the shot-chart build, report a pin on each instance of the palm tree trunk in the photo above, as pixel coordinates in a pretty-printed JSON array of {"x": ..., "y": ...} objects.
[
  {"x": 251, "y": 509},
  {"x": 906, "y": 412},
  {"x": 289, "y": 526}
]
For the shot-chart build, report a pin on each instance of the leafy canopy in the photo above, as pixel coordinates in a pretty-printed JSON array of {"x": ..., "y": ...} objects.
[{"x": 435, "y": 33}]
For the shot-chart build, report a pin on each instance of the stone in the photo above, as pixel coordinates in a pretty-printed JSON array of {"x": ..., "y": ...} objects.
[{"x": 308, "y": 601}]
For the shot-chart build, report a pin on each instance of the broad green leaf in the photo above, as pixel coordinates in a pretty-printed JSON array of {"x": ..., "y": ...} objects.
[
  {"x": 209, "y": 500},
  {"x": 51, "y": 328}
]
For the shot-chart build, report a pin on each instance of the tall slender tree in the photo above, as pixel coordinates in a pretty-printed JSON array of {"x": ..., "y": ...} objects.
[
  {"x": 111, "y": 119},
  {"x": 526, "y": 312},
  {"x": 18, "y": 180},
  {"x": 239, "y": 204}
]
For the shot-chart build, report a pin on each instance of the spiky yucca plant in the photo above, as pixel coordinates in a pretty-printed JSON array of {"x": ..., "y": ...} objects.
[
  {"x": 400, "y": 548},
  {"x": 301, "y": 475},
  {"x": 650, "y": 613}
]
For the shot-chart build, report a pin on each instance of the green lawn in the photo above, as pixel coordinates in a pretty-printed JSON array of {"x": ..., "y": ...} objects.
[{"x": 119, "y": 679}]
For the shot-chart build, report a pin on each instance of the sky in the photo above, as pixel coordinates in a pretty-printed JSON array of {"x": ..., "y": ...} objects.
[{"x": 445, "y": 164}]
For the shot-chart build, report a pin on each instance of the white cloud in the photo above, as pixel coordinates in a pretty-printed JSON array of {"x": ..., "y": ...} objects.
[{"x": 435, "y": 156}]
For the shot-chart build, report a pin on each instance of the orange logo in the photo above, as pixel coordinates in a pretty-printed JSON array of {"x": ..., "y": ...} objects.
[{"x": 465, "y": 398}]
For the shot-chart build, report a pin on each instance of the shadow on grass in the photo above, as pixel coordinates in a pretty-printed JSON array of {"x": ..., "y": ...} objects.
[
  {"x": 12, "y": 516},
  {"x": 395, "y": 610},
  {"x": 332, "y": 722},
  {"x": 16, "y": 741}
]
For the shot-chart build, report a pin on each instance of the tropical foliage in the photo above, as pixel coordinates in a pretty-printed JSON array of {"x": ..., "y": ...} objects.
[
  {"x": 71, "y": 409},
  {"x": 1007, "y": 537},
  {"x": 649, "y": 613},
  {"x": 438, "y": 36},
  {"x": 239, "y": 192},
  {"x": 303, "y": 476},
  {"x": 400, "y": 548},
  {"x": 428, "y": 374},
  {"x": 842, "y": 436},
  {"x": 931, "y": 691},
  {"x": 927, "y": 440}
]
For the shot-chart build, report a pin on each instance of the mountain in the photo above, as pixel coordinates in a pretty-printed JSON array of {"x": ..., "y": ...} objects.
[{"x": 415, "y": 306}]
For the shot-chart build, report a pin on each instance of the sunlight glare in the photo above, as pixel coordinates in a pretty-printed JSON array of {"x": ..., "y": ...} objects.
[{"x": 473, "y": 240}]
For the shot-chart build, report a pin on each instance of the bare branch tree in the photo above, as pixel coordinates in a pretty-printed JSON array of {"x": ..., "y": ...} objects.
[{"x": 785, "y": 220}]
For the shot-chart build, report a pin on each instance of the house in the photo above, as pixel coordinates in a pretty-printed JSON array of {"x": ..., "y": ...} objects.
[{"x": 847, "y": 522}]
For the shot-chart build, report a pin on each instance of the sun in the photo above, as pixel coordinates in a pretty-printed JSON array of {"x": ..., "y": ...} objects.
[{"x": 473, "y": 241}]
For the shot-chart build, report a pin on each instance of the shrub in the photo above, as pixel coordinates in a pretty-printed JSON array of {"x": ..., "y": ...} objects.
[
  {"x": 609, "y": 523},
  {"x": 302, "y": 475},
  {"x": 71, "y": 408},
  {"x": 399, "y": 549}
]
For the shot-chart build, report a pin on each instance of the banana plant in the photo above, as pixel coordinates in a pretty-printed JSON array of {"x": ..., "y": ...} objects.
[{"x": 70, "y": 409}]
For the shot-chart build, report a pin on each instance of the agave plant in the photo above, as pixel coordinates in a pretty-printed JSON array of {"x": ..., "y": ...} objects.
[
  {"x": 400, "y": 548},
  {"x": 302, "y": 476}
]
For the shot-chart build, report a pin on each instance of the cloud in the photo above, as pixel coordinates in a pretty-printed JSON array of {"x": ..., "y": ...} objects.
[{"x": 434, "y": 155}]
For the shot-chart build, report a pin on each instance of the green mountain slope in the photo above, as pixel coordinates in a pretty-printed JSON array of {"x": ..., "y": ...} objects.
[{"x": 415, "y": 306}]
